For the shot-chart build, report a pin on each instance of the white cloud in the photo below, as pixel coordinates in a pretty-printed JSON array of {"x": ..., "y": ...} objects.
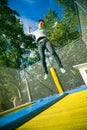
[{"x": 28, "y": 22}]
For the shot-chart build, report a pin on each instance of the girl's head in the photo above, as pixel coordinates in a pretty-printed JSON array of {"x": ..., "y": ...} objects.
[{"x": 40, "y": 23}]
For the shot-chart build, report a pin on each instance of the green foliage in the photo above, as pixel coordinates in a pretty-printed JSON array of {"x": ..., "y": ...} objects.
[
  {"x": 66, "y": 30},
  {"x": 3, "y": 2},
  {"x": 14, "y": 44},
  {"x": 50, "y": 18}
]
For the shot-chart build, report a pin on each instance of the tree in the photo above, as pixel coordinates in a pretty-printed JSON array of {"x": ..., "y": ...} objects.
[
  {"x": 66, "y": 30},
  {"x": 14, "y": 46},
  {"x": 13, "y": 42},
  {"x": 70, "y": 20}
]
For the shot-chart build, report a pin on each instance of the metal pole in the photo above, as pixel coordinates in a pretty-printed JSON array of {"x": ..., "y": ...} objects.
[
  {"x": 56, "y": 80},
  {"x": 27, "y": 86}
]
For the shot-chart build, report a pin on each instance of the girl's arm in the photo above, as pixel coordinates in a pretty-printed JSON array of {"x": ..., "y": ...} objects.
[{"x": 54, "y": 26}]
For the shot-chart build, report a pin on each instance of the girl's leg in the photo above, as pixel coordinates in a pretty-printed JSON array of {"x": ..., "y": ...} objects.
[
  {"x": 41, "y": 49},
  {"x": 53, "y": 52}
]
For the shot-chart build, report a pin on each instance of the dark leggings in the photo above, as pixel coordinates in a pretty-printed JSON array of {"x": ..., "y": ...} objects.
[{"x": 41, "y": 48}]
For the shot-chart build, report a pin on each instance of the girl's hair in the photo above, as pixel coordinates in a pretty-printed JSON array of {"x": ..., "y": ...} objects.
[{"x": 41, "y": 20}]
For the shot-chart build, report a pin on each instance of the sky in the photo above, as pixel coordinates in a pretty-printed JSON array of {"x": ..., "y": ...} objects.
[{"x": 32, "y": 10}]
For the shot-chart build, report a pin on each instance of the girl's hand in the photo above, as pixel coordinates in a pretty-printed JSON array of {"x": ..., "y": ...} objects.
[
  {"x": 30, "y": 28},
  {"x": 56, "y": 23}
]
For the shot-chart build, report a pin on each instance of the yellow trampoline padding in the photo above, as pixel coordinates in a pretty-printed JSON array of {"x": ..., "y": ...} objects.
[{"x": 69, "y": 113}]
